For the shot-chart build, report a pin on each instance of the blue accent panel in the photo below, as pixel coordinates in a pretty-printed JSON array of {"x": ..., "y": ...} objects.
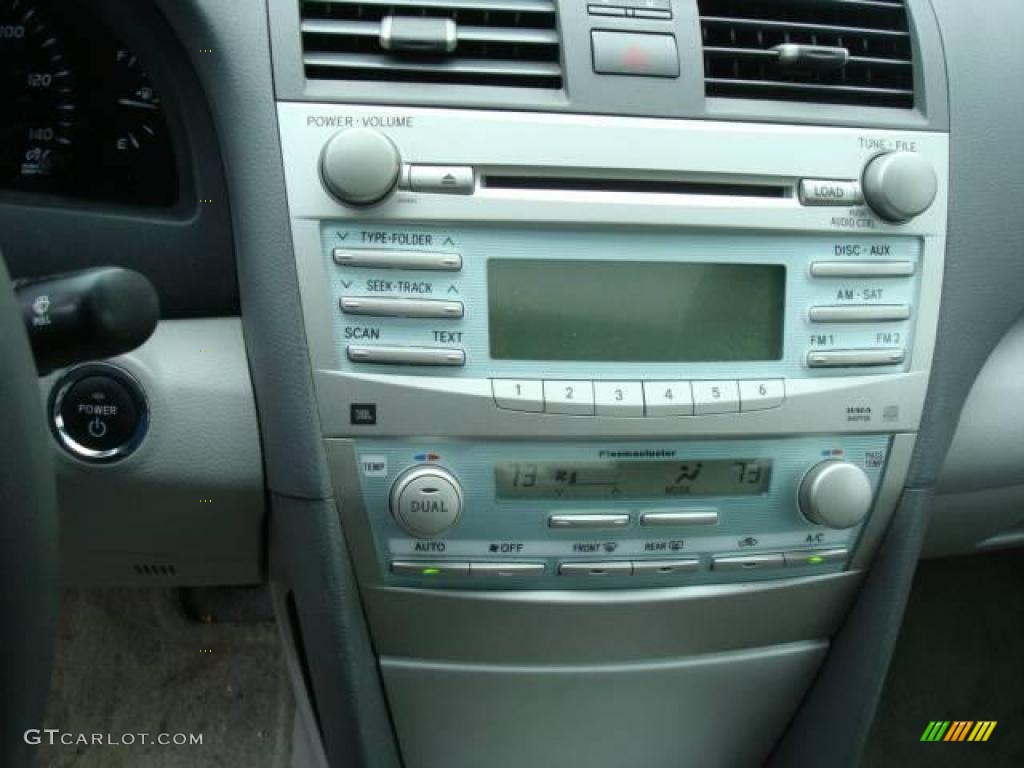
[{"x": 516, "y": 530}]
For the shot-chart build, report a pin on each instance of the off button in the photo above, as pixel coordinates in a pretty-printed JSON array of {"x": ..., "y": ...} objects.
[
  {"x": 426, "y": 501},
  {"x": 99, "y": 413}
]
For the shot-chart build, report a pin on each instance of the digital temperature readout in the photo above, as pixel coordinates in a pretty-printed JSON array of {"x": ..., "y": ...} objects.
[{"x": 632, "y": 479}]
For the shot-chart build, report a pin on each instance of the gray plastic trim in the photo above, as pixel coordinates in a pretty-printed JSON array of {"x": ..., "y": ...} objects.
[
  {"x": 587, "y": 92},
  {"x": 981, "y": 297},
  {"x": 837, "y": 712},
  {"x": 191, "y": 494},
  {"x": 712, "y": 711}
]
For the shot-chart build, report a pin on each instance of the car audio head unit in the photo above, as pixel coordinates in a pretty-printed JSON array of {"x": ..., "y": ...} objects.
[{"x": 549, "y": 348}]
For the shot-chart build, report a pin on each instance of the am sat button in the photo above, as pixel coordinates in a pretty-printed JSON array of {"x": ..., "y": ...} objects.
[{"x": 632, "y": 53}]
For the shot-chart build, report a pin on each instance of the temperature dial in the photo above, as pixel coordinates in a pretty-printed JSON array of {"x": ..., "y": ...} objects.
[
  {"x": 426, "y": 501},
  {"x": 836, "y": 494},
  {"x": 360, "y": 166},
  {"x": 899, "y": 185}
]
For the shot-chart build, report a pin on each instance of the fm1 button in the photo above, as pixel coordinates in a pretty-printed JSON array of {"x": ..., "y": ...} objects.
[{"x": 99, "y": 413}]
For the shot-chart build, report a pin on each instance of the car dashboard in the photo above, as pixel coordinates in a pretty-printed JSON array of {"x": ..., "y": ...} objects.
[{"x": 584, "y": 378}]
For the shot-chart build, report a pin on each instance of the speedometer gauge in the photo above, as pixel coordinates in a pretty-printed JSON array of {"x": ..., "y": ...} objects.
[{"x": 37, "y": 87}]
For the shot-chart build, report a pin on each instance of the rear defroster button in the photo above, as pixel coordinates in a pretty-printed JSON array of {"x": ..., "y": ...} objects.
[{"x": 98, "y": 413}]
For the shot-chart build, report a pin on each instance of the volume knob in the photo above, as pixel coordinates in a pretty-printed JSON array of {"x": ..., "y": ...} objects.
[
  {"x": 360, "y": 166},
  {"x": 836, "y": 494},
  {"x": 426, "y": 501},
  {"x": 899, "y": 185}
]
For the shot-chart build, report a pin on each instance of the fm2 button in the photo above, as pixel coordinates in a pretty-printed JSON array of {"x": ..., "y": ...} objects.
[{"x": 99, "y": 413}]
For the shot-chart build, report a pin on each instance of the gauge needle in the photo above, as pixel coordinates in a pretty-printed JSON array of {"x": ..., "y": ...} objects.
[{"x": 138, "y": 104}]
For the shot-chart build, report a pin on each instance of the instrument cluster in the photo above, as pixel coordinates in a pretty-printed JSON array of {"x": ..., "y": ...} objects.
[{"x": 81, "y": 118}]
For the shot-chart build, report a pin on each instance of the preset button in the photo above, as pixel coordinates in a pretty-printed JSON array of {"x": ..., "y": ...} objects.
[
  {"x": 618, "y": 398},
  {"x": 574, "y": 398},
  {"x": 668, "y": 398},
  {"x": 715, "y": 397}
]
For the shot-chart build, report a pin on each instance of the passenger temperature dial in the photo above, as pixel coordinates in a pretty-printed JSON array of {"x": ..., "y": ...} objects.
[
  {"x": 426, "y": 501},
  {"x": 836, "y": 494}
]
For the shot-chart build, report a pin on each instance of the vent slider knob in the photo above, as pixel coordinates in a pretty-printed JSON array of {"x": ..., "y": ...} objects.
[
  {"x": 899, "y": 185},
  {"x": 360, "y": 166}
]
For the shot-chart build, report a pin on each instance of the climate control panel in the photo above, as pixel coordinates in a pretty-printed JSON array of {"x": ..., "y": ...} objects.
[{"x": 554, "y": 515}]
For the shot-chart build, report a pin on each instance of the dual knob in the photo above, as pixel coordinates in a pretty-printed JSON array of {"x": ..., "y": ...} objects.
[{"x": 427, "y": 500}]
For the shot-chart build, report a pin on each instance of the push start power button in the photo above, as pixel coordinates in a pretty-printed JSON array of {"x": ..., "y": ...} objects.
[{"x": 99, "y": 413}]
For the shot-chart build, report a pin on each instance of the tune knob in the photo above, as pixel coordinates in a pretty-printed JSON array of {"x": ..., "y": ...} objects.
[
  {"x": 836, "y": 494},
  {"x": 426, "y": 501},
  {"x": 360, "y": 166},
  {"x": 899, "y": 185}
]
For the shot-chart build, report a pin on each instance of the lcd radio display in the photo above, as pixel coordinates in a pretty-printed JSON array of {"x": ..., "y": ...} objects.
[
  {"x": 632, "y": 479},
  {"x": 634, "y": 311}
]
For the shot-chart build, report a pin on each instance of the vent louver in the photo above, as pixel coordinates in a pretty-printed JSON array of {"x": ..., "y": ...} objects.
[
  {"x": 470, "y": 42},
  {"x": 823, "y": 51}
]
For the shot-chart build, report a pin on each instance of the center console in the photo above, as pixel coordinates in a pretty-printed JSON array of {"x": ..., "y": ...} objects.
[{"x": 617, "y": 406}]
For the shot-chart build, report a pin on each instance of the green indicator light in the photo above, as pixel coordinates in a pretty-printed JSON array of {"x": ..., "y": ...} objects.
[
  {"x": 815, "y": 560},
  {"x": 431, "y": 571}
]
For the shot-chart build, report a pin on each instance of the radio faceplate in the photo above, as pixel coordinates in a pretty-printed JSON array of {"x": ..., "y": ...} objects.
[
  {"x": 450, "y": 309},
  {"x": 581, "y": 515}
]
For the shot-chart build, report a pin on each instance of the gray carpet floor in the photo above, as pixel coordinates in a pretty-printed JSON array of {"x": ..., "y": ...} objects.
[
  {"x": 960, "y": 656},
  {"x": 130, "y": 661}
]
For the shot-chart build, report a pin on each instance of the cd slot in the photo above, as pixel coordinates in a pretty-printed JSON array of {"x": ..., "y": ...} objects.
[{"x": 516, "y": 182}]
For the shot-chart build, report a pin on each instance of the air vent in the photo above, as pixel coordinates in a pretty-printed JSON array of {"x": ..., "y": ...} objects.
[
  {"x": 470, "y": 42},
  {"x": 824, "y": 51}
]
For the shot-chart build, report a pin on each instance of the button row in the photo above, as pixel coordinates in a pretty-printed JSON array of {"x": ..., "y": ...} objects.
[
  {"x": 637, "y": 398},
  {"x": 382, "y": 258},
  {"x": 445, "y": 568},
  {"x": 748, "y": 562},
  {"x": 612, "y": 520}
]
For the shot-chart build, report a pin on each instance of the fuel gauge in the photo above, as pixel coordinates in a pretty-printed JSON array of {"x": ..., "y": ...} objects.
[{"x": 139, "y": 116}]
